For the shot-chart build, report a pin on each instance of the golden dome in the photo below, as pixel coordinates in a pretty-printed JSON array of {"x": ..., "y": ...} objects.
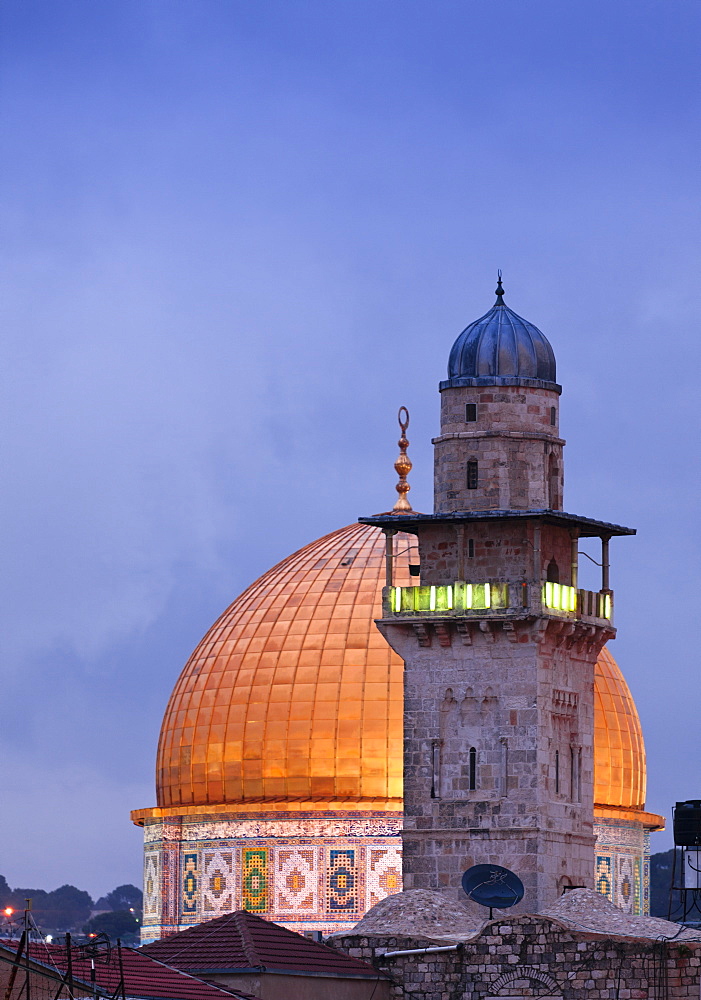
[
  {"x": 619, "y": 751},
  {"x": 293, "y": 695}
]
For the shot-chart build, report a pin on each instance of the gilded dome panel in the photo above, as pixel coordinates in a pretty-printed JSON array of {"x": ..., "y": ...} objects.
[
  {"x": 293, "y": 694},
  {"x": 619, "y": 751}
]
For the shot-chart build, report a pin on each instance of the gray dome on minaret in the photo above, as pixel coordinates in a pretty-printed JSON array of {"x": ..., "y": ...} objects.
[{"x": 502, "y": 348}]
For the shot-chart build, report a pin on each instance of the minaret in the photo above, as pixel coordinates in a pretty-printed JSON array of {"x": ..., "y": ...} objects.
[{"x": 498, "y": 641}]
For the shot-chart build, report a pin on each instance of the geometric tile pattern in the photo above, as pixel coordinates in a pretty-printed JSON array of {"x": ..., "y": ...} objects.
[
  {"x": 306, "y": 882},
  {"x": 604, "y": 875},
  {"x": 312, "y": 881},
  {"x": 342, "y": 881},
  {"x": 255, "y": 880},
  {"x": 218, "y": 882},
  {"x": 190, "y": 883},
  {"x": 152, "y": 895},
  {"x": 625, "y": 884},
  {"x": 384, "y": 873},
  {"x": 622, "y": 865},
  {"x": 297, "y": 880}
]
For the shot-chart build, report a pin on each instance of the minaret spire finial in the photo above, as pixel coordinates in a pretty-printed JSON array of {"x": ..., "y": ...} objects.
[
  {"x": 500, "y": 290},
  {"x": 403, "y": 465}
]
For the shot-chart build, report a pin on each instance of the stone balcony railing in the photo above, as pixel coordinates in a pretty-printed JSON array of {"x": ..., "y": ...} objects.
[{"x": 496, "y": 598}]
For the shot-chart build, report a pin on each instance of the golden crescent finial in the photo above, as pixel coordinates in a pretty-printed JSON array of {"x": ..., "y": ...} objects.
[{"x": 403, "y": 465}]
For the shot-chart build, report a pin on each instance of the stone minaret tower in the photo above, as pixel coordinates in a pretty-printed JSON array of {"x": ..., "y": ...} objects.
[{"x": 498, "y": 641}]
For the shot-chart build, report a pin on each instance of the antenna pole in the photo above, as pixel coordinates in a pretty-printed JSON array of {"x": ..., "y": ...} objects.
[
  {"x": 122, "y": 985},
  {"x": 69, "y": 964},
  {"x": 15, "y": 966},
  {"x": 26, "y": 931}
]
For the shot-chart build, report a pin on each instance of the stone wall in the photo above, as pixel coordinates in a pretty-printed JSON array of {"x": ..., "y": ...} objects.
[
  {"x": 498, "y": 755},
  {"x": 489, "y": 551},
  {"x": 516, "y": 447},
  {"x": 533, "y": 956}
]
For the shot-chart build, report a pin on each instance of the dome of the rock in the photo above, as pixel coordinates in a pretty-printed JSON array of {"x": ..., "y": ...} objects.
[
  {"x": 280, "y": 755},
  {"x": 309, "y": 765},
  {"x": 294, "y": 694},
  {"x": 619, "y": 751}
]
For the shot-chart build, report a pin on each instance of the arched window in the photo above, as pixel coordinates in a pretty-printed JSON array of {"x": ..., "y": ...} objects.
[
  {"x": 553, "y": 416},
  {"x": 472, "y": 475},
  {"x": 473, "y": 768},
  {"x": 553, "y": 572},
  {"x": 557, "y": 772}
]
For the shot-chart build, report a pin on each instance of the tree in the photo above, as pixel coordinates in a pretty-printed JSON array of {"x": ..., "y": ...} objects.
[
  {"x": 67, "y": 907},
  {"x": 5, "y": 893},
  {"x": 19, "y": 898},
  {"x": 125, "y": 897},
  {"x": 116, "y": 924},
  {"x": 63, "y": 909}
]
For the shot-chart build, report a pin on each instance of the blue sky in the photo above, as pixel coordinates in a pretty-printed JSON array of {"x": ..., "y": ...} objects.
[{"x": 236, "y": 237}]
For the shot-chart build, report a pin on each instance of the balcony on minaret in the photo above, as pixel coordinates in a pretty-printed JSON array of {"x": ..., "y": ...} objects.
[
  {"x": 498, "y": 599},
  {"x": 506, "y": 565}
]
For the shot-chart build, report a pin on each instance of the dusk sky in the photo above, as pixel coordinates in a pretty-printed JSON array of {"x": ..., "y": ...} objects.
[{"x": 237, "y": 235}]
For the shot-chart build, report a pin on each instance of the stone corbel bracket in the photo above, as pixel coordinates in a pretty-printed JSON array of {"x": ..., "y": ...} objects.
[{"x": 583, "y": 636}]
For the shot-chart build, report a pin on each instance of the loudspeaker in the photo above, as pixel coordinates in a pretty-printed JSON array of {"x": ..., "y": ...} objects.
[{"x": 687, "y": 823}]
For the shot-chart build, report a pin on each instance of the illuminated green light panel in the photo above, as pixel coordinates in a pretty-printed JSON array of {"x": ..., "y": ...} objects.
[
  {"x": 481, "y": 596},
  {"x": 452, "y": 597}
]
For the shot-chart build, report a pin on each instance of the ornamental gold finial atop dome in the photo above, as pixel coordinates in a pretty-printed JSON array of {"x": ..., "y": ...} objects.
[{"x": 403, "y": 465}]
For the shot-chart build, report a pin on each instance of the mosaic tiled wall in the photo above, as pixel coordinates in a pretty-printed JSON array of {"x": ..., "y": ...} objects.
[
  {"x": 319, "y": 872},
  {"x": 295, "y": 873},
  {"x": 623, "y": 865}
]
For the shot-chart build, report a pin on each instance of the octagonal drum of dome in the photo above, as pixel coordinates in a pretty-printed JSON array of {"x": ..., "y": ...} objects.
[{"x": 293, "y": 695}]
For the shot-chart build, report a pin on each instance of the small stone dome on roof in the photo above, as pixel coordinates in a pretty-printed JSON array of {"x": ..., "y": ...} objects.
[
  {"x": 501, "y": 348},
  {"x": 418, "y": 913}
]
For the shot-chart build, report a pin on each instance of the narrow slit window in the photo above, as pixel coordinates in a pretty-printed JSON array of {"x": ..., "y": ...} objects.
[
  {"x": 436, "y": 768},
  {"x": 557, "y": 772},
  {"x": 553, "y": 416},
  {"x": 552, "y": 483},
  {"x": 573, "y": 775},
  {"x": 471, "y": 548},
  {"x": 472, "y": 475},
  {"x": 470, "y": 413},
  {"x": 579, "y": 775},
  {"x": 473, "y": 769}
]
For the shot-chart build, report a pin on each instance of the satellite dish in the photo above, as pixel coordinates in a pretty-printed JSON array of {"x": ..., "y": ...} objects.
[{"x": 492, "y": 886}]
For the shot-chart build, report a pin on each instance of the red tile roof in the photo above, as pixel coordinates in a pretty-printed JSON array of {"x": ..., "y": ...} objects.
[
  {"x": 242, "y": 940},
  {"x": 145, "y": 976}
]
